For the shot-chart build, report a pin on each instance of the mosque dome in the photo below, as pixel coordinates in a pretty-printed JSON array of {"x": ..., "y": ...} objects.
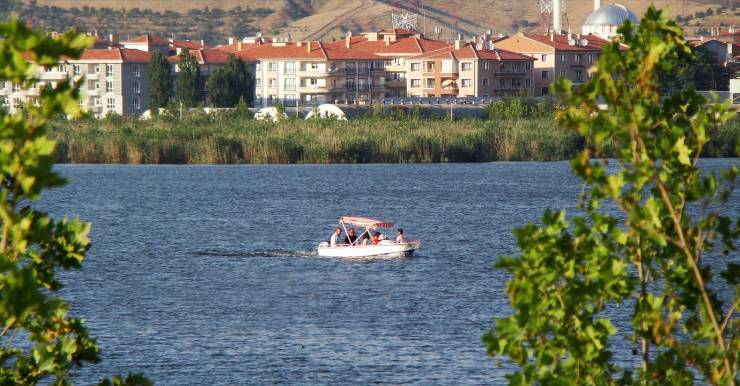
[
  {"x": 611, "y": 15},
  {"x": 605, "y": 21}
]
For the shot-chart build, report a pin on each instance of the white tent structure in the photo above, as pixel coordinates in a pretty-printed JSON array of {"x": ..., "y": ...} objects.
[
  {"x": 269, "y": 113},
  {"x": 327, "y": 111}
]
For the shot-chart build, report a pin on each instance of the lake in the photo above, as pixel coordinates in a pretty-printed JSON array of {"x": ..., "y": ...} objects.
[{"x": 208, "y": 275}]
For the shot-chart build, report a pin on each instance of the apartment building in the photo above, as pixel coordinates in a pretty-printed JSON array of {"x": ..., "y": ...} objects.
[
  {"x": 395, "y": 46},
  {"x": 312, "y": 73},
  {"x": 558, "y": 55},
  {"x": 115, "y": 81},
  {"x": 468, "y": 69}
]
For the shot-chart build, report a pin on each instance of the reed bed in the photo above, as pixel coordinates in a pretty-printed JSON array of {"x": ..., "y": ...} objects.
[{"x": 232, "y": 139}]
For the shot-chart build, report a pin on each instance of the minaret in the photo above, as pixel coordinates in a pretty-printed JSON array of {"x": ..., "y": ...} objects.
[
  {"x": 557, "y": 16},
  {"x": 597, "y": 5}
]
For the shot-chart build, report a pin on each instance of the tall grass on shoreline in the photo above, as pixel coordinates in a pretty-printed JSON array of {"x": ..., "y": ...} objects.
[{"x": 231, "y": 138}]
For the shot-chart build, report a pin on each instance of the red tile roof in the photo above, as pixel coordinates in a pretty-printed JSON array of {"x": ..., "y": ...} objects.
[
  {"x": 204, "y": 56},
  {"x": 397, "y": 31},
  {"x": 235, "y": 47},
  {"x": 284, "y": 51},
  {"x": 470, "y": 52},
  {"x": 191, "y": 45},
  {"x": 560, "y": 42},
  {"x": 114, "y": 55},
  {"x": 149, "y": 39},
  {"x": 403, "y": 46}
]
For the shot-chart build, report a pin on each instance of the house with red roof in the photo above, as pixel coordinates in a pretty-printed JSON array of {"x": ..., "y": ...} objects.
[
  {"x": 469, "y": 69},
  {"x": 558, "y": 55}
]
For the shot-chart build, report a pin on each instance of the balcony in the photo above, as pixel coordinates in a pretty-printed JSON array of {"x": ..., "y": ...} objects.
[
  {"x": 577, "y": 65},
  {"x": 93, "y": 76},
  {"x": 357, "y": 87},
  {"x": 511, "y": 73},
  {"x": 53, "y": 75},
  {"x": 315, "y": 89},
  {"x": 378, "y": 86},
  {"x": 395, "y": 83},
  {"x": 377, "y": 71}
]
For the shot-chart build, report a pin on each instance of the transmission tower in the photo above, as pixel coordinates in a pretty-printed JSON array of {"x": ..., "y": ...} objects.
[{"x": 547, "y": 14}]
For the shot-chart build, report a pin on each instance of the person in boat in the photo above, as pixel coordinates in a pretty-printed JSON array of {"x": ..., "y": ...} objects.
[
  {"x": 400, "y": 237},
  {"x": 376, "y": 238},
  {"x": 351, "y": 236},
  {"x": 335, "y": 236},
  {"x": 365, "y": 238}
]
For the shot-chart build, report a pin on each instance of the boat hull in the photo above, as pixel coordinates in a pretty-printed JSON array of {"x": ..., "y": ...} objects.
[{"x": 389, "y": 250}]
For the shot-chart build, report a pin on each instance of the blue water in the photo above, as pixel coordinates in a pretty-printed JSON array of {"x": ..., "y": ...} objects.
[{"x": 206, "y": 274}]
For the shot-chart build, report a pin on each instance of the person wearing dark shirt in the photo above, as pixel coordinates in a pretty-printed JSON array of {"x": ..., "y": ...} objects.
[{"x": 351, "y": 236}]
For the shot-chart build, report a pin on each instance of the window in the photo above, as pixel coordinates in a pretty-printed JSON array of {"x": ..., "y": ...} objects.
[
  {"x": 528, "y": 66},
  {"x": 97, "y": 101},
  {"x": 589, "y": 58},
  {"x": 379, "y": 65},
  {"x": 136, "y": 87},
  {"x": 136, "y": 103},
  {"x": 429, "y": 66},
  {"x": 544, "y": 57},
  {"x": 429, "y": 83},
  {"x": 502, "y": 83},
  {"x": 545, "y": 91},
  {"x": 289, "y": 84},
  {"x": 108, "y": 70},
  {"x": 108, "y": 86},
  {"x": 271, "y": 82},
  {"x": 545, "y": 74},
  {"x": 527, "y": 83},
  {"x": 2, "y": 84},
  {"x": 290, "y": 68},
  {"x": 62, "y": 68},
  {"x": 257, "y": 66},
  {"x": 448, "y": 66},
  {"x": 76, "y": 69},
  {"x": 486, "y": 65},
  {"x": 577, "y": 58},
  {"x": 516, "y": 83},
  {"x": 466, "y": 82},
  {"x": 485, "y": 82},
  {"x": 137, "y": 71},
  {"x": 415, "y": 82},
  {"x": 314, "y": 66},
  {"x": 271, "y": 66},
  {"x": 17, "y": 102},
  {"x": 562, "y": 73},
  {"x": 16, "y": 87},
  {"x": 96, "y": 69},
  {"x": 110, "y": 103},
  {"x": 258, "y": 83},
  {"x": 4, "y": 102},
  {"x": 579, "y": 76},
  {"x": 467, "y": 66},
  {"x": 562, "y": 58},
  {"x": 415, "y": 66},
  {"x": 289, "y": 97}
]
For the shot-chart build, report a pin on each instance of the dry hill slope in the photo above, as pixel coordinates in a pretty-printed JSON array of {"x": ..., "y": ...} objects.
[{"x": 329, "y": 19}]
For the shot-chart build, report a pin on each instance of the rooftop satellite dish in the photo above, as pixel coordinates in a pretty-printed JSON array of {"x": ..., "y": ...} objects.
[
  {"x": 571, "y": 42},
  {"x": 489, "y": 32},
  {"x": 490, "y": 45},
  {"x": 479, "y": 45},
  {"x": 584, "y": 42},
  {"x": 438, "y": 31},
  {"x": 259, "y": 34}
]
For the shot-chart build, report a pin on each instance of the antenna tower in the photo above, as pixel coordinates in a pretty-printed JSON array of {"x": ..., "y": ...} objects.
[
  {"x": 402, "y": 18},
  {"x": 547, "y": 7}
]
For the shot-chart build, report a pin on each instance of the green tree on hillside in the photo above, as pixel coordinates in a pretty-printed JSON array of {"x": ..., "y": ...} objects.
[
  {"x": 160, "y": 82},
  {"x": 229, "y": 84},
  {"x": 650, "y": 259},
  {"x": 189, "y": 88},
  {"x": 41, "y": 343}
]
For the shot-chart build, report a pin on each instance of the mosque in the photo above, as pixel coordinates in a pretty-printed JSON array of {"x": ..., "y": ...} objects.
[{"x": 604, "y": 21}]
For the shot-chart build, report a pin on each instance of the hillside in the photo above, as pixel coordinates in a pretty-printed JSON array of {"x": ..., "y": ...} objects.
[{"x": 213, "y": 20}]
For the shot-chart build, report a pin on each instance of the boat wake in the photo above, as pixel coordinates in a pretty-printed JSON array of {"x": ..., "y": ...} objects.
[{"x": 255, "y": 253}]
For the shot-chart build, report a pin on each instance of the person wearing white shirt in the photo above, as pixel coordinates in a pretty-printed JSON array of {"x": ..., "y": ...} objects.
[
  {"x": 335, "y": 237},
  {"x": 400, "y": 238}
]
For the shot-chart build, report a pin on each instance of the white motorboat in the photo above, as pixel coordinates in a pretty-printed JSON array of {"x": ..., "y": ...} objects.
[{"x": 356, "y": 249}]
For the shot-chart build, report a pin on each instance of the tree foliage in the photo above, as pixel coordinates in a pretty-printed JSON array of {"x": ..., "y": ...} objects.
[
  {"x": 229, "y": 84},
  {"x": 649, "y": 255},
  {"x": 189, "y": 89},
  {"x": 41, "y": 343},
  {"x": 703, "y": 71},
  {"x": 160, "y": 82}
]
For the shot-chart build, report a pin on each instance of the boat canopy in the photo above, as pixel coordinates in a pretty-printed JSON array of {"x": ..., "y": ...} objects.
[{"x": 364, "y": 222}]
